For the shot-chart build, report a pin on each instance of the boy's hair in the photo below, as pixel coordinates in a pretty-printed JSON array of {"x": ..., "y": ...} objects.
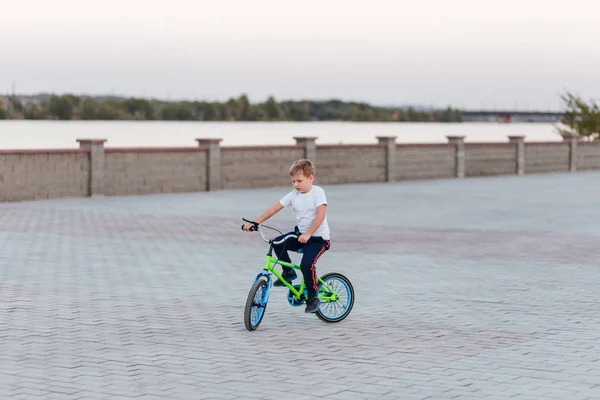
[{"x": 303, "y": 166}]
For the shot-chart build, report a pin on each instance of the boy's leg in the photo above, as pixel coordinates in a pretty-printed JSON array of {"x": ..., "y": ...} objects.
[
  {"x": 281, "y": 250},
  {"x": 312, "y": 250}
]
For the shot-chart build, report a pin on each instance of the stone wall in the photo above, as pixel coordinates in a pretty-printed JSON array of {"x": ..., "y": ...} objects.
[
  {"x": 587, "y": 156},
  {"x": 94, "y": 169},
  {"x": 483, "y": 159},
  {"x": 257, "y": 167},
  {"x": 424, "y": 161},
  {"x": 146, "y": 171},
  {"x": 34, "y": 175},
  {"x": 350, "y": 164},
  {"x": 548, "y": 157}
]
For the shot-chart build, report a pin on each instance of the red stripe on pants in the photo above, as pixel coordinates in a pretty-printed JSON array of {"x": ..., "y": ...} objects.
[{"x": 313, "y": 269}]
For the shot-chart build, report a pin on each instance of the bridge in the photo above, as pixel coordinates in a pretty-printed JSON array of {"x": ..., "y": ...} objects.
[{"x": 510, "y": 116}]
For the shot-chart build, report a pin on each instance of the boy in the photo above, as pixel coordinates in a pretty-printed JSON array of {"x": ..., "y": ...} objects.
[{"x": 309, "y": 203}]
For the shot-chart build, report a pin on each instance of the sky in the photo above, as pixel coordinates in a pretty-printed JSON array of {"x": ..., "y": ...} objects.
[{"x": 463, "y": 53}]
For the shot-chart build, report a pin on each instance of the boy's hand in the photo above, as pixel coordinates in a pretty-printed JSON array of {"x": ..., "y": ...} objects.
[
  {"x": 303, "y": 238},
  {"x": 247, "y": 227}
]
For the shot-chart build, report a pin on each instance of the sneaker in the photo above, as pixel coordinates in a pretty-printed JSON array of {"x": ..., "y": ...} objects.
[
  {"x": 312, "y": 306},
  {"x": 289, "y": 278}
]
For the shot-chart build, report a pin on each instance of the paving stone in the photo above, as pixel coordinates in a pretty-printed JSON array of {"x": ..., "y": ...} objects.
[{"x": 478, "y": 288}]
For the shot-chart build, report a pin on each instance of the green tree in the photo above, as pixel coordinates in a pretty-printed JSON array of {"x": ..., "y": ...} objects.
[
  {"x": 181, "y": 111},
  {"x": 74, "y": 100},
  {"x": 296, "y": 111},
  {"x": 89, "y": 109},
  {"x": 17, "y": 105},
  {"x": 139, "y": 108},
  {"x": 413, "y": 115},
  {"x": 256, "y": 113},
  {"x": 272, "y": 109},
  {"x": 112, "y": 110},
  {"x": 61, "y": 107},
  {"x": 581, "y": 118},
  {"x": 209, "y": 111},
  {"x": 457, "y": 116},
  {"x": 244, "y": 107},
  {"x": 231, "y": 110},
  {"x": 3, "y": 111},
  {"x": 355, "y": 113},
  {"x": 400, "y": 116},
  {"x": 35, "y": 111},
  {"x": 225, "y": 112},
  {"x": 447, "y": 115}
]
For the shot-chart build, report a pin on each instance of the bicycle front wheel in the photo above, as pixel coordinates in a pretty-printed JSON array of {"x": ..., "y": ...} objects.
[{"x": 256, "y": 304}]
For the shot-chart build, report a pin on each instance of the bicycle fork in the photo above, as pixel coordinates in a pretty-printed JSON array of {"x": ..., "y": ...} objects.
[{"x": 265, "y": 297}]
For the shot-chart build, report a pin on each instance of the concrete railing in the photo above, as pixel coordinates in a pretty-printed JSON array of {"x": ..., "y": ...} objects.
[{"x": 96, "y": 170}]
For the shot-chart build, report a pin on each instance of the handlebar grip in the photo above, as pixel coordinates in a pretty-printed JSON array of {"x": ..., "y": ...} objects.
[{"x": 253, "y": 228}]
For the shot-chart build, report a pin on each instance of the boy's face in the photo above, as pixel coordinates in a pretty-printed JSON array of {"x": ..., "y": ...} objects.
[{"x": 302, "y": 183}]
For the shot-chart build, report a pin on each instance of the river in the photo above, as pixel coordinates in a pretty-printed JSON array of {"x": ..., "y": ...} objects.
[{"x": 63, "y": 134}]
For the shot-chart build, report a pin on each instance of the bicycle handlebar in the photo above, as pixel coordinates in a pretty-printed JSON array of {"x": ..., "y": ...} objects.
[
  {"x": 252, "y": 228},
  {"x": 285, "y": 238},
  {"x": 255, "y": 226}
]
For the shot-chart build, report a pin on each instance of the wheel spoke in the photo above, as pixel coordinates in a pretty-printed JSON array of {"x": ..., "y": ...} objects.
[{"x": 333, "y": 310}]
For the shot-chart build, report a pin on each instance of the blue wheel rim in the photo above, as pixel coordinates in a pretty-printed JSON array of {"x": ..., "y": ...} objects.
[
  {"x": 259, "y": 304},
  {"x": 340, "y": 306}
]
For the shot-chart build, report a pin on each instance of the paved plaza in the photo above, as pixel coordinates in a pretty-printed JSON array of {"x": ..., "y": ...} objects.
[{"x": 482, "y": 288}]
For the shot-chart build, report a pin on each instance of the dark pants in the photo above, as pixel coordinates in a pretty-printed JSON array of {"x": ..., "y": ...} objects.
[{"x": 311, "y": 251}]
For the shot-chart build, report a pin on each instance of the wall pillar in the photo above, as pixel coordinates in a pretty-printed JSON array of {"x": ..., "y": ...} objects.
[
  {"x": 213, "y": 163},
  {"x": 459, "y": 142},
  {"x": 520, "y": 158},
  {"x": 310, "y": 147},
  {"x": 390, "y": 158},
  {"x": 96, "y": 149}
]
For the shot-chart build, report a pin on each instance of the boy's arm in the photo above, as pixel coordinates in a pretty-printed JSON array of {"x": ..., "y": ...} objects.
[
  {"x": 319, "y": 218},
  {"x": 274, "y": 209}
]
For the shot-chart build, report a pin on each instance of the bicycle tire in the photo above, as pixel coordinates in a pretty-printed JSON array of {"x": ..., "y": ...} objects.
[
  {"x": 250, "y": 304},
  {"x": 321, "y": 315}
]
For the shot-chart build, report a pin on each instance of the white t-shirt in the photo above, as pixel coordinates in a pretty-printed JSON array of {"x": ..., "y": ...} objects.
[{"x": 305, "y": 206}]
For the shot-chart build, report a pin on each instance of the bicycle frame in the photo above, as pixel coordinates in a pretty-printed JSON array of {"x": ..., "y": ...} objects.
[{"x": 270, "y": 264}]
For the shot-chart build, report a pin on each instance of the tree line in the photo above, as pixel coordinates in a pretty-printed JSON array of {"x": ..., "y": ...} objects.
[{"x": 72, "y": 107}]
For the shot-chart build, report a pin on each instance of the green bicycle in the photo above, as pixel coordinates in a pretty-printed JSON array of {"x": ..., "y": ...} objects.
[{"x": 335, "y": 293}]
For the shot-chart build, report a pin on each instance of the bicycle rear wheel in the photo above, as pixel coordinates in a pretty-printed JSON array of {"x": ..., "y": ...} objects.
[
  {"x": 256, "y": 304},
  {"x": 335, "y": 311}
]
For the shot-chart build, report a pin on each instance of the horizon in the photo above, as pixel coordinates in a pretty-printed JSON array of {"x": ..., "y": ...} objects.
[{"x": 519, "y": 55}]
